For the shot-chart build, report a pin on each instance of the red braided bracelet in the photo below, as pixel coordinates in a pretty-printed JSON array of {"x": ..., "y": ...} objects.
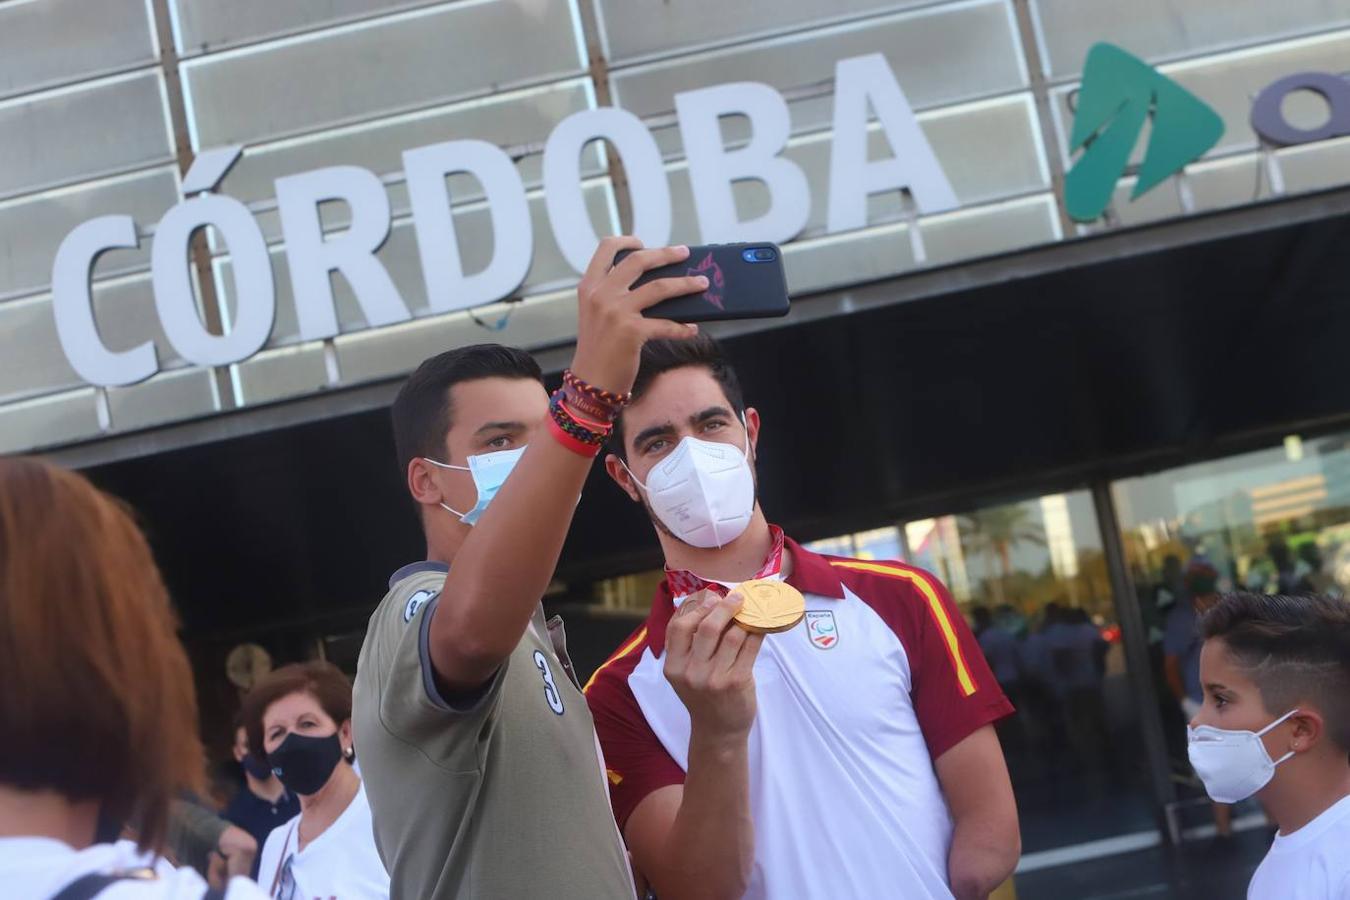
[
  {"x": 609, "y": 398},
  {"x": 590, "y": 451}
]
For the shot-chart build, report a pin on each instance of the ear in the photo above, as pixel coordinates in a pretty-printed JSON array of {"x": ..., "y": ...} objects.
[
  {"x": 752, "y": 428},
  {"x": 345, "y": 736},
  {"x": 237, "y": 753},
  {"x": 1306, "y": 729},
  {"x": 619, "y": 475},
  {"x": 422, "y": 483}
]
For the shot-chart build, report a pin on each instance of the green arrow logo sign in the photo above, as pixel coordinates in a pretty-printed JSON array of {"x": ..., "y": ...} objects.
[{"x": 1118, "y": 94}]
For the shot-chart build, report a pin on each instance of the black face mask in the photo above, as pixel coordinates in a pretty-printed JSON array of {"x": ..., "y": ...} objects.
[
  {"x": 304, "y": 764},
  {"x": 256, "y": 767}
]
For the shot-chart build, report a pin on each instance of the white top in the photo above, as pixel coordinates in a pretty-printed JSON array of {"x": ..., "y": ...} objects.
[
  {"x": 35, "y": 868},
  {"x": 341, "y": 864},
  {"x": 1310, "y": 864}
]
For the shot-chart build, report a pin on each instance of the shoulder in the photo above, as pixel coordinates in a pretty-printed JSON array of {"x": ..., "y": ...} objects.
[
  {"x": 409, "y": 594},
  {"x": 608, "y": 686},
  {"x": 358, "y": 811},
  {"x": 887, "y": 580}
]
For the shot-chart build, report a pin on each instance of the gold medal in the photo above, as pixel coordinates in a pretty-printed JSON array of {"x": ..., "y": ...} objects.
[{"x": 769, "y": 606}]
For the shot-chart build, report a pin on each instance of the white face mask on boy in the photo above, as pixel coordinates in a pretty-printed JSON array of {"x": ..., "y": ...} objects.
[{"x": 1233, "y": 765}]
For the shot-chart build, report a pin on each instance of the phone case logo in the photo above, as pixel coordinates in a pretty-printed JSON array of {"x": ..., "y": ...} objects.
[{"x": 709, "y": 267}]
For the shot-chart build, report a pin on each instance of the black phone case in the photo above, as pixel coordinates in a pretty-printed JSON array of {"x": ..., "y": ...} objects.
[{"x": 737, "y": 288}]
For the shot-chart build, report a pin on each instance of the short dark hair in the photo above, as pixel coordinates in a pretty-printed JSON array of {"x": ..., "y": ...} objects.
[
  {"x": 421, "y": 412},
  {"x": 320, "y": 679},
  {"x": 661, "y": 356},
  {"x": 1294, "y": 648}
]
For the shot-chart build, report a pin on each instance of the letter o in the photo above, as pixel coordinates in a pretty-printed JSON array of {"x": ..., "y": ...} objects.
[
  {"x": 255, "y": 290},
  {"x": 1268, "y": 114}
]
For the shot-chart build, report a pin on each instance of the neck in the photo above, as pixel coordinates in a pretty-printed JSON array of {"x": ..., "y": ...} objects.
[
  {"x": 1307, "y": 792},
  {"x": 321, "y": 809},
  {"x": 738, "y": 561},
  {"x": 445, "y": 538},
  {"x": 47, "y": 814},
  {"x": 269, "y": 788}
]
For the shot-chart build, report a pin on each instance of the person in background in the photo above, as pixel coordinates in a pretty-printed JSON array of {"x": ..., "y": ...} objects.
[
  {"x": 263, "y": 802},
  {"x": 1311, "y": 574},
  {"x": 1275, "y": 723},
  {"x": 1181, "y": 660},
  {"x": 98, "y": 707},
  {"x": 1076, "y": 652},
  {"x": 301, "y": 717},
  {"x": 202, "y": 840},
  {"x": 999, "y": 644}
]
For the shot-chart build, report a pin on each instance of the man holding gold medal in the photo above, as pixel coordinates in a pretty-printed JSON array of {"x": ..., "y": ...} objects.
[{"x": 786, "y": 724}]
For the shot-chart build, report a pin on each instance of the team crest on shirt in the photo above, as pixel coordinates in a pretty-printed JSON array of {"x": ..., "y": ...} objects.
[
  {"x": 821, "y": 628},
  {"x": 416, "y": 602}
]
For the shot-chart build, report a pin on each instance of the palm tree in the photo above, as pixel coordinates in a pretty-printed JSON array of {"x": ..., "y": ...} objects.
[{"x": 994, "y": 531}]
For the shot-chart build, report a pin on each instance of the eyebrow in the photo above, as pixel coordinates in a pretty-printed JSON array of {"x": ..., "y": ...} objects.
[
  {"x": 500, "y": 426},
  {"x": 697, "y": 418},
  {"x": 1213, "y": 686}
]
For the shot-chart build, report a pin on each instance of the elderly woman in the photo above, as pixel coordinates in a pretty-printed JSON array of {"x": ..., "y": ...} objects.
[
  {"x": 97, "y": 705},
  {"x": 300, "y": 715}
]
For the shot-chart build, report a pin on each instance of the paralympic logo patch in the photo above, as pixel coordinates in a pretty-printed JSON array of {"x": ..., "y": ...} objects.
[{"x": 821, "y": 628}]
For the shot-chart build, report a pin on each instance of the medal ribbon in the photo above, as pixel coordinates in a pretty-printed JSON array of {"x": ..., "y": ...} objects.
[{"x": 682, "y": 583}]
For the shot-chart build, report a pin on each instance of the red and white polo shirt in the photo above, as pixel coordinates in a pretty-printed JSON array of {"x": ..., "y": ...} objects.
[{"x": 882, "y": 678}]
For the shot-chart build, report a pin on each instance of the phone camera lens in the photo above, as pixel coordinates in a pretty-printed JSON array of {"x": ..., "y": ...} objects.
[{"x": 764, "y": 253}]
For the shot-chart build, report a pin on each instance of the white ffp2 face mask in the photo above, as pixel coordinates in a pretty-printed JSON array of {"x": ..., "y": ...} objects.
[
  {"x": 1233, "y": 765},
  {"x": 703, "y": 491}
]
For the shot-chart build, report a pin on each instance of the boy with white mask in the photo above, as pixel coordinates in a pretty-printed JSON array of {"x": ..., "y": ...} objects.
[
  {"x": 1275, "y": 723},
  {"x": 479, "y": 756},
  {"x": 851, "y": 756}
]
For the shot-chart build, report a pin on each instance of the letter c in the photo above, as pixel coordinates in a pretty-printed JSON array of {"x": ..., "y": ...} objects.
[{"x": 73, "y": 305}]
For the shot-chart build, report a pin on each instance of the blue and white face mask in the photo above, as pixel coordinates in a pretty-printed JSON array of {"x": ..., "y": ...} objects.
[{"x": 489, "y": 471}]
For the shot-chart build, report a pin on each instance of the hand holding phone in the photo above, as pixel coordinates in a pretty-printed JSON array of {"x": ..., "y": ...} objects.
[{"x": 745, "y": 281}]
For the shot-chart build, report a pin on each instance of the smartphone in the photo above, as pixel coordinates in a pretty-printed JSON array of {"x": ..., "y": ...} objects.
[{"x": 745, "y": 281}]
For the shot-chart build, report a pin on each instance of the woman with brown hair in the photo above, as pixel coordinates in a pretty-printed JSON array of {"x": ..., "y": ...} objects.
[
  {"x": 301, "y": 717},
  {"x": 97, "y": 705}
]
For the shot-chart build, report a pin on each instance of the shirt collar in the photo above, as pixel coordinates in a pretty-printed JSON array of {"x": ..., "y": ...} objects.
[
  {"x": 811, "y": 574},
  {"x": 426, "y": 565}
]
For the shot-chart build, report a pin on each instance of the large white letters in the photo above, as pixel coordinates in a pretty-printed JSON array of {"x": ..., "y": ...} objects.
[
  {"x": 312, "y": 256},
  {"x": 713, "y": 169},
  {"x": 865, "y": 88},
  {"x": 858, "y": 82},
  {"x": 255, "y": 292},
  {"x": 646, "y": 176},
  {"x": 448, "y": 288},
  {"x": 73, "y": 306}
]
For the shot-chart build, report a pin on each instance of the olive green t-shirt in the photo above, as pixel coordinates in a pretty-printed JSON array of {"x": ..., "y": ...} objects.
[{"x": 500, "y": 795}]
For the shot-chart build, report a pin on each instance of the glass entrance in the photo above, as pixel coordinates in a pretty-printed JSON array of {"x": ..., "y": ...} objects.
[{"x": 1032, "y": 580}]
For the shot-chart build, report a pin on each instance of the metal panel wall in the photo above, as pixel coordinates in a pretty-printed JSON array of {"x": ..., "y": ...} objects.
[{"x": 85, "y": 130}]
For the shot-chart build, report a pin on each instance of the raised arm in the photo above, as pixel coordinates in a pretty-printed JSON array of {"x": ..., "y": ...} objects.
[{"x": 507, "y": 561}]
